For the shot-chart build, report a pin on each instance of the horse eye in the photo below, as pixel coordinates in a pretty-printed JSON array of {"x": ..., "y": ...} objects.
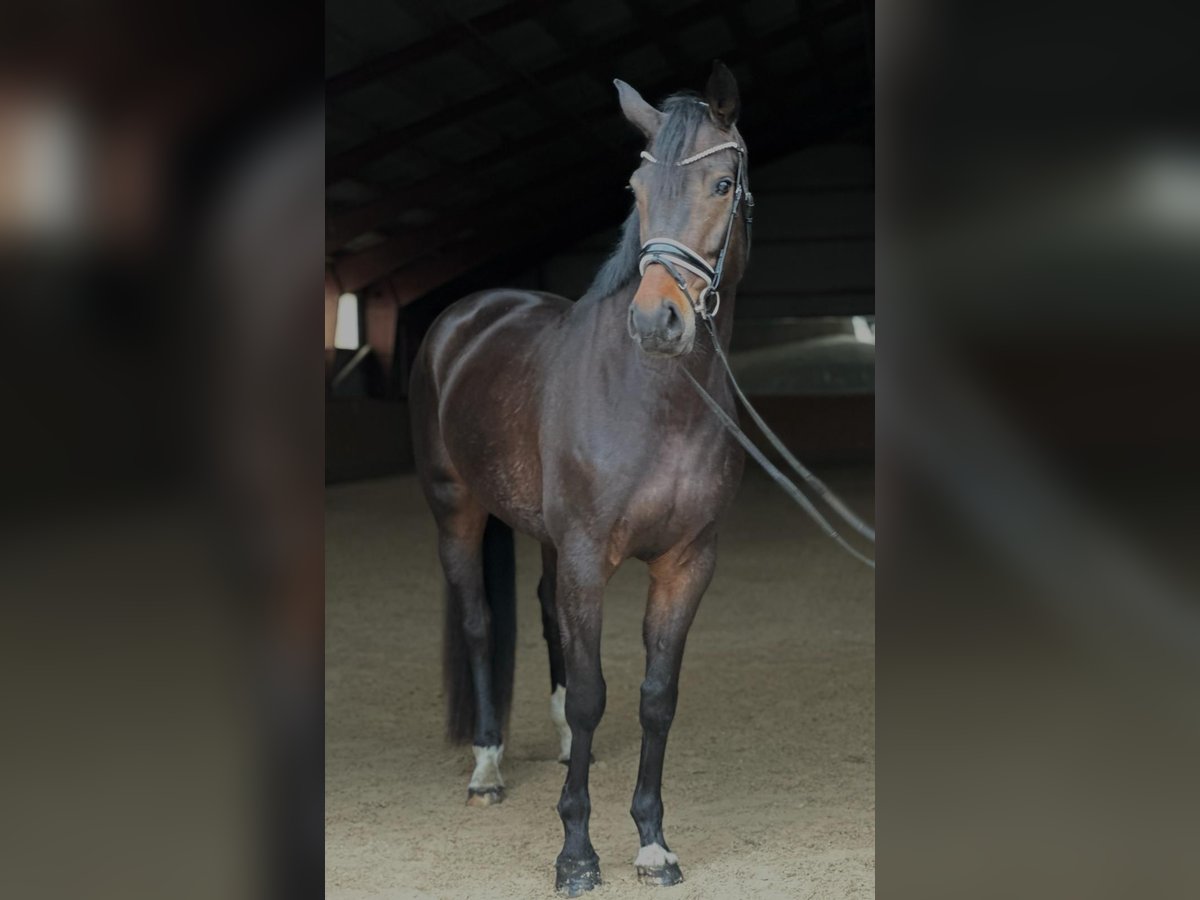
[{"x": 724, "y": 185}]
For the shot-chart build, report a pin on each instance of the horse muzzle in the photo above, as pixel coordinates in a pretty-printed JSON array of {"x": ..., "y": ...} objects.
[{"x": 660, "y": 320}]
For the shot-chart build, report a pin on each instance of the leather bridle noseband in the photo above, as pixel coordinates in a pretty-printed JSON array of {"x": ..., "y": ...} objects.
[{"x": 673, "y": 255}]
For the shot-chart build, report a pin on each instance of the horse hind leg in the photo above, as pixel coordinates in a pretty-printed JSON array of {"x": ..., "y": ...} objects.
[{"x": 476, "y": 555}]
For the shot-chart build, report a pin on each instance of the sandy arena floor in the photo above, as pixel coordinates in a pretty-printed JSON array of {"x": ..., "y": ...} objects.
[{"x": 769, "y": 784}]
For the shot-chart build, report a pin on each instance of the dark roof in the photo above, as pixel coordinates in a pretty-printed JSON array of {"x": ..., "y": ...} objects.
[{"x": 468, "y": 134}]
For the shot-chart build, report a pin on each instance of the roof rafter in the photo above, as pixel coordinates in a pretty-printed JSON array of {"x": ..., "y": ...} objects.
[
  {"x": 347, "y": 225},
  {"x": 426, "y": 48},
  {"x": 664, "y": 38},
  {"x": 486, "y": 55},
  {"x": 347, "y": 162},
  {"x": 503, "y": 226}
]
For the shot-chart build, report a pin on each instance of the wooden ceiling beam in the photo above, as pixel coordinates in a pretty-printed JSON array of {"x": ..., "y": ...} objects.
[
  {"x": 435, "y": 44},
  {"x": 514, "y": 221},
  {"x": 344, "y": 227},
  {"x": 814, "y": 26},
  {"x": 606, "y": 172},
  {"x": 485, "y": 54},
  {"x": 665, "y": 37},
  {"x": 760, "y": 69},
  {"x": 347, "y": 162},
  {"x": 572, "y": 43}
]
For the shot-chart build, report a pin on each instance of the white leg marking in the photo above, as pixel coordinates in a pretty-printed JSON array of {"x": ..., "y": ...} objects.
[
  {"x": 487, "y": 768},
  {"x": 558, "y": 715},
  {"x": 654, "y": 856}
]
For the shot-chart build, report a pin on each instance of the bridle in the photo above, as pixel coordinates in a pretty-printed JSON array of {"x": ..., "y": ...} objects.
[{"x": 673, "y": 255}]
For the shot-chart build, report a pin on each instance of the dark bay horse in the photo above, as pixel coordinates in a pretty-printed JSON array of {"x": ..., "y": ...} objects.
[{"x": 574, "y": 423}]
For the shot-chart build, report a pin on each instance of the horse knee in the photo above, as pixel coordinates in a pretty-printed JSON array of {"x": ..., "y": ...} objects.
[
  {"x": 657, "y": 709},
  {"x": 585, "y": 703}
]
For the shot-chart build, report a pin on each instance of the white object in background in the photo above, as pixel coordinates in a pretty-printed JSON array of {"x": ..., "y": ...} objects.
[
  {"x": 42, "y": 180},
  {"x": 863, "y": 332},
  {"x": 345, "y": 333}
]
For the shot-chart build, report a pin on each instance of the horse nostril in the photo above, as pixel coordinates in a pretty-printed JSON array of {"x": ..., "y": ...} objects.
[{"x": 672, "y": 322}]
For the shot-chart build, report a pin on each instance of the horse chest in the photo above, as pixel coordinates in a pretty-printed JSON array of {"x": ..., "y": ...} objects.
[{"x": 672, "y": 503}]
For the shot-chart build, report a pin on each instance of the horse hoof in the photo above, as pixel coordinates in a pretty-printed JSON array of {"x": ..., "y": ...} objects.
[
  {"x": 485, "y": 796},
  {"x": 576, "y": 877},
  {"x": 666, "y": 874}
]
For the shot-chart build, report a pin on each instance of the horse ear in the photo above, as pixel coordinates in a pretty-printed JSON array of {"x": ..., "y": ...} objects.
[
  {"x": 722, "y": 92},
  {"x": 638, "y": 111}
]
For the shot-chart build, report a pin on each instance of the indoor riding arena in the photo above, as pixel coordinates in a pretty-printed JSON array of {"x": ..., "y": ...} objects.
[{"x": 478, "y": 144}]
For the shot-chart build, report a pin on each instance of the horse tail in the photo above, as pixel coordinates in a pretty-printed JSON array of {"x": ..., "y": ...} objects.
[{"x": 500, "y": 591}]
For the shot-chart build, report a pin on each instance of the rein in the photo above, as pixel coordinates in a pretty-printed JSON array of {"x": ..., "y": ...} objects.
[
  {"x": 789, "y": 487},
  {"x": 673, "y": 255}
]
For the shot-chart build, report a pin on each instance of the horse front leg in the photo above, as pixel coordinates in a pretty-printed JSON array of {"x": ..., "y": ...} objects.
[
  {"x": 547, "y": 587},
  {"x": 677, "y": 582},
  {"x": 582, "y": 574}
]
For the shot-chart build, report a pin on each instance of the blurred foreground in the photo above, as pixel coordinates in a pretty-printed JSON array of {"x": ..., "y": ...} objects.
[
  {"x": 1039, "y": 618},
  {"x": 160, "y": 563}
]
